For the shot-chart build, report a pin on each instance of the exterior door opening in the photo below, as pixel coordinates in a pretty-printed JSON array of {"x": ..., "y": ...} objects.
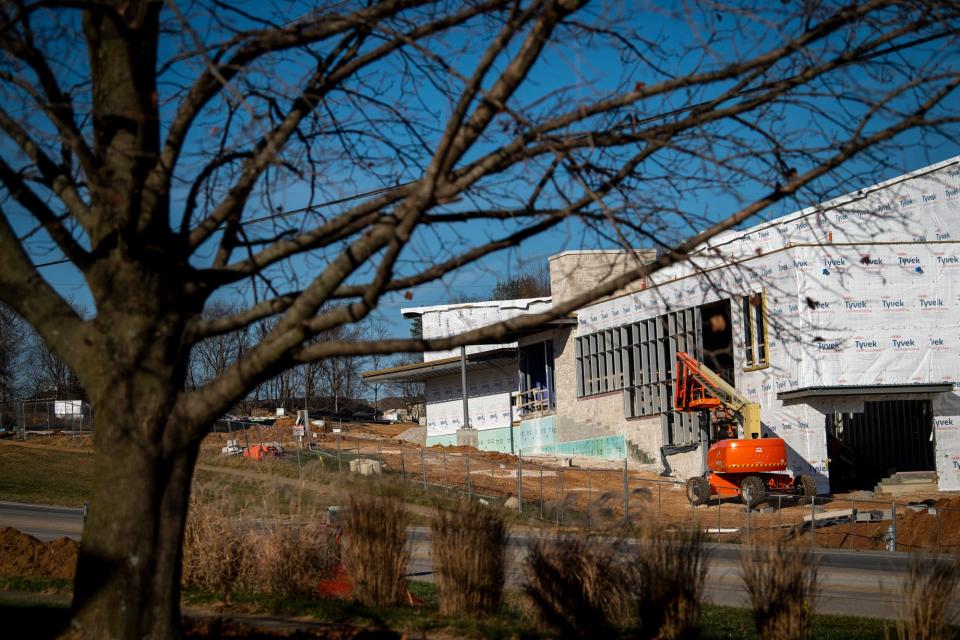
[{"x": 890, "y": 436}]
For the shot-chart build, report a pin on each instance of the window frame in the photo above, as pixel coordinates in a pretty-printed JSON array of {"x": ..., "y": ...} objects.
[{"x": 756, "y": 343}]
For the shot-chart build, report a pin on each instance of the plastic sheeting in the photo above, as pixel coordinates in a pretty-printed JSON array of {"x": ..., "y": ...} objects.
[{"x": 860, "y": 290}]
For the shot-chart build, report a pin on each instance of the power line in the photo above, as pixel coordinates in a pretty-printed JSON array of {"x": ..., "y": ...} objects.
[{"x": 630, "y": 122}]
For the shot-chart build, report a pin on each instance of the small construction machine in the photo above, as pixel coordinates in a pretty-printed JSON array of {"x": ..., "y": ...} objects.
[{"x": 751, "y": 466}]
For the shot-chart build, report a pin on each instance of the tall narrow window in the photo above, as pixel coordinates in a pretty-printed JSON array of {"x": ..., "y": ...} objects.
[{"x": 755, "y": 330}]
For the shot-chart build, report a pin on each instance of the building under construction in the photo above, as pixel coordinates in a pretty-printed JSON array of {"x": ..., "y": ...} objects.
[{"x": 841, "y": 320}]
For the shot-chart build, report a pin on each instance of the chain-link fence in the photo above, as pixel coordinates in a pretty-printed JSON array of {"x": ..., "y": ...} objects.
[
  {"x": 594, "y": 497},
  {"x": 49, "y": 417}
]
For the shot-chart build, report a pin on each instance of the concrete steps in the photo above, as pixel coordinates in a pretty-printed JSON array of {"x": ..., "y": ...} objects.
[{"x": 908, "y": 482}]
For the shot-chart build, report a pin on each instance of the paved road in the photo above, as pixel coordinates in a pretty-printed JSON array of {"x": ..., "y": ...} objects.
[
  {"x": 42, "y": 521},
  {"x": 859, "y": 583}
]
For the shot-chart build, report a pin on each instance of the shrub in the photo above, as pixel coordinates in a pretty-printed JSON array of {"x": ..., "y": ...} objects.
[
  {"x": 667, "y": 572},
  {"x": 781, "y": 581},
  {"x": 285, "y": 558},
  {"x": 469, "y": 546},
  {"x": 375, "y": 548},
  {"x": 576, "y": 586},
  {"x": 215, "y": 553},
  {"x": 291, "y": 558},
  {"x": 930, "y": 587}
]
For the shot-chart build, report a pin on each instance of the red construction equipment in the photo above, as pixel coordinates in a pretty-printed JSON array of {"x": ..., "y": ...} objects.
[{"x": 746, "y": 466}]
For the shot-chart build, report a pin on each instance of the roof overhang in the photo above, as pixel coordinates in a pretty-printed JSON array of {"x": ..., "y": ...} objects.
[
  {"x": 419, "y": 371},
  {"x": 811, "y": 393}
]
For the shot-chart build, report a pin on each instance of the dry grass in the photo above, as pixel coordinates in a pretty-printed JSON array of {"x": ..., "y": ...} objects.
[
  {"x": 668, "y": 571},
  {"x": 781, "y": 580},
  {"x": 215, "y": 554},
  {"x": 929, "y": 588},
  {"x": 576, "y": 586},
  {"x": 469, "y": 547},
  {"x": 285, "y": 557},
  {"x": 375, "y": 548}
]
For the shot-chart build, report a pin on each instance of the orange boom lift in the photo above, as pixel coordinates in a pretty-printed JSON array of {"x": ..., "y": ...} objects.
[{"x": 750, "y": 466}]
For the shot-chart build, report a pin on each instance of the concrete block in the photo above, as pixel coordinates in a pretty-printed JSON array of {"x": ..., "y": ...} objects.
[
  {"x": 468, "y": 438},
  {"x": 369, "y": 467}
]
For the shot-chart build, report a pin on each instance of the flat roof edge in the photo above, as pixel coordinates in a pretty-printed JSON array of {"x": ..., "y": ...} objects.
[{"x": 865, "y": 390}]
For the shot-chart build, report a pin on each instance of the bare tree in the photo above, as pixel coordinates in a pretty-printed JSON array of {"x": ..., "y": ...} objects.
[
  {"x": 534, "y": 284},
  {"x": 412, "y": 393},
  {"x": 161, "y": 166},
  {"x": 12, "y": 333},
  {"x": 212, "y": 356}
]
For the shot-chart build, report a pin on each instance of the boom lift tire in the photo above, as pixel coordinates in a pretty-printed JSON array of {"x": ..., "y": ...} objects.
[
  {"x": 752, "y": 491},
  {"x": 808, "y": 488},
  {"x": 698, "y": 491}
]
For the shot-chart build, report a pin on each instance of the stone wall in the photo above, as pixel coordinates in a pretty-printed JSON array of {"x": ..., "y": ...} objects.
[
  {"x": 571, "y": 274},
  {"x": 575, "y": 272}
]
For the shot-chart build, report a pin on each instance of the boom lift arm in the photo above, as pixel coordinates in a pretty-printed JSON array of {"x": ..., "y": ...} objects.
[{"x": 700, "y": 388}]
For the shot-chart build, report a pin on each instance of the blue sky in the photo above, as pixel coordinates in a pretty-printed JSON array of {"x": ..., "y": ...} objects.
[{"x": 573, "y": 72}]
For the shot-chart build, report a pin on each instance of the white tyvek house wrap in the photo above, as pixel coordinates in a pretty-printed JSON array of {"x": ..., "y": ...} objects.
[
  {"x": 861, "y": 290},
  {"x": 443, "y": 321},
  {"x": 489, "y": 401}
]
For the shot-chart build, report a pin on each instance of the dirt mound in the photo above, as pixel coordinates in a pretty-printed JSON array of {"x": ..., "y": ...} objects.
[
  {"x": 417, "y": 435},
  {"x": 494, "y": 456},
  {"x": 23, "y": 555},
  {"x": 285, "y": 422}
]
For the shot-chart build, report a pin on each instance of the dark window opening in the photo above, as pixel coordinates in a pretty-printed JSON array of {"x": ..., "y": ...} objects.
[
  {"x": 890, "y": 436},
  {"x": 717, "y": 339}
]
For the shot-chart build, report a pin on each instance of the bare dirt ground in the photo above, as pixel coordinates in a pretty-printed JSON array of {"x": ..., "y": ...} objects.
[
  {"x": 584, "y": 495},
  {"x": 25, "y": 556}
]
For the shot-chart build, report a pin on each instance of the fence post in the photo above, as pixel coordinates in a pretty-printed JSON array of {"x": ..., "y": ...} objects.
[
  {"x": 519, "y": 483},
  {"x": 559, "y": 494},
  {"x": 379, "y": 456},
  {"x": 403, "y": 468},
  {"x": 718, "y": 517},
  {"x": 749, "y": 525},
  {"x": 339, "y": 463},
  {"x": 659, "y": 489},
  {"x": 469, "y": 481},
  {"x": 939, "y": 512},
  {"x": 893, "y": 523},
  {"x": 813, "y": 522},
  {"x": 446, "y": 483},
  {"x": 589, "y": 497},
  {"x": 423, "y": 470},
  {"x": 541, "y": 491},
  {"x": 853, "y": 522},
  {"x": 626, "y": 494}
]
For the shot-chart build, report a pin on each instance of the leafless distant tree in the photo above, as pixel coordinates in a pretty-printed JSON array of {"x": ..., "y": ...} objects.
[
  {"x": 412, "y": 393},
  {"x": 214, "y": 355},
  {"x": 170, "y": 162},
  {"x": 12, "y": 333},
  {"x": 534, "y": 284}
]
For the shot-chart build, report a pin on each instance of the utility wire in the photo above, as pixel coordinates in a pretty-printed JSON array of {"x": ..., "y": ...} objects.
[{"x": 628, "y": 123}]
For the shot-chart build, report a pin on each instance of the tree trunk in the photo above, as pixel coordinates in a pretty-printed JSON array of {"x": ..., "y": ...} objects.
[{"x": 128, "y": 574}]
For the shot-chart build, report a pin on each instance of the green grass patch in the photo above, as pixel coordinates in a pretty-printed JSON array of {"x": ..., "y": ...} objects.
[
  {"x": 720, "y": 623},
  {"x": 717, "y": 623},
  {"x": 35, "y": 585},
  {"x": 37, "y": 476}
]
